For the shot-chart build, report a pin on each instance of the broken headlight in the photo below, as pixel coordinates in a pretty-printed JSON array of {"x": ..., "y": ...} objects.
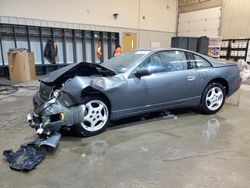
[{"x": 55, "y": 94}]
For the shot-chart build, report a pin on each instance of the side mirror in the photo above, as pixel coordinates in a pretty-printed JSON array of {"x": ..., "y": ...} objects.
[{"x": 142, "y": 72}]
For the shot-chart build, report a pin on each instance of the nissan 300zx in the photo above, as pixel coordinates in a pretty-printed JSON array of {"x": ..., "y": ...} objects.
[{"x": 86, "y": 96}]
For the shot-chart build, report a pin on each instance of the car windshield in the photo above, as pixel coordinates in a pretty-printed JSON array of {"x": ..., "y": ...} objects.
[{"x": 122, "y": 62}]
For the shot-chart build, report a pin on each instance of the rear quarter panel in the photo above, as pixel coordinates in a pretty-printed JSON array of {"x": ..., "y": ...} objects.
[{"x": 228, "y": 73}]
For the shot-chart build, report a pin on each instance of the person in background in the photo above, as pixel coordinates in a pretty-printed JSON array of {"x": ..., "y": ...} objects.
[
  {"x": 99, "y": 50},
  {"x": 118, "y": 50}
]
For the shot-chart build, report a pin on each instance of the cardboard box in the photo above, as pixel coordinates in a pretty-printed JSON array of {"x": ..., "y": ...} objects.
[{"x": 21, "y": 66}]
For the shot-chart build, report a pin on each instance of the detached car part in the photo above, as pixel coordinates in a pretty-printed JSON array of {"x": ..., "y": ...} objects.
[
  {"x": 29, "y": 155},
  {"x": 26, "y": 158}
]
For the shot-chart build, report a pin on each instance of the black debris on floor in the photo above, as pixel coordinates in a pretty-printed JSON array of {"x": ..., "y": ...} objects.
[{"x": 27, "y": 157}]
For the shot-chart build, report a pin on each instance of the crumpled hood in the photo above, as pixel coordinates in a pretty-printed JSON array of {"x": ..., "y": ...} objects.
[
  {"x": 100, "y": 83},
  {"x": 76, "y": 69},
  {"x": 103, "y": 84},
  {"x": 53, "y": 76}
]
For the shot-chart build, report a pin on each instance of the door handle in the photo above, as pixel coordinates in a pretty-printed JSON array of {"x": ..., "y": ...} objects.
[{"x": 191, "y": 78}]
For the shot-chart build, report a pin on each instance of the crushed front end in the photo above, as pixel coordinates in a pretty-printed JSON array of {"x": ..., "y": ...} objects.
[
  {"x": 53, "y": 109},
  {"x": 60, "y": 101},
  {"x": 47, "y": 118}
]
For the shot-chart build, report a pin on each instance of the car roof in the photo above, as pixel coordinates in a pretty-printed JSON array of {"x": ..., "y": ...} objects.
[
  {"x": 161, "y": 49},
  {"x": 164, "y": 49}
]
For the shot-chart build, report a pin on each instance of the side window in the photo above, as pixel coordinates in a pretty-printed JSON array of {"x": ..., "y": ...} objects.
[
  {"x": 201, "y": 62},
  {"x": 165, "y": 61},
  {"x": 191, "y": 61},
  {"x": 153, "y": 63},
  {"x": 174, "y": 60}
]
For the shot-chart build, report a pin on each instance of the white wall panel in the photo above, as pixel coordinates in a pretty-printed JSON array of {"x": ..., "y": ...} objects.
[
  {"x": 7, "y": 44},
  {"x": 76, "y": 11},
  {"x": 79, "y": 53},
  {"x": 235, "y": 19},
  {"x": 200, "y": 14},
  {"x": 35, "y": 47},
  {"x": 21, "y": 42},
  {"x": 105, "y": 50},
  {"x": 146, "y": 37},
  {"x": 200, "y": 23},
  {"x": 159, "y": 15},
  {"x": 59, "y": 58},
  {"x": 199, "y": 33},
  {"x": 69, "y": 50},
  {"x": 88, "y": 51}
]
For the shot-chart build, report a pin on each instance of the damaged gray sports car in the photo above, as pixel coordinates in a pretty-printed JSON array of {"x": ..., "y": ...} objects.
[{"x": 86, "y": 96}]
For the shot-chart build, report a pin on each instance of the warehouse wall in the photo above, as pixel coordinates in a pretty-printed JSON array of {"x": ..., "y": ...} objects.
[
  {"x": 205, "y": 22},
  {"x": 94, "y": 12},
  {"x": 159, "y": 15},
  {"x": 235, "y": 19},
  {"x": 146, "y": 38},
  {"x": 134, "y": 15},
  {"x": 199, "y": 18},
  {"x": 194, "y": 5},
  {"x": 233, "y": 22}
]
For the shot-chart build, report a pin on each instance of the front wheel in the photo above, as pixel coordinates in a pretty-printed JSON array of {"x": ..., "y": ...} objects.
[
  {"x": 95, "y": 118},
  {"x": 213, "y": 98}
]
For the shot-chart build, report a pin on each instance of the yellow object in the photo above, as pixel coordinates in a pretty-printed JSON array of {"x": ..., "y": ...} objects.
[
  {"x": 129, "y": 41},
  {"x": 11, "y": 67},
  {"x": 62, "y": 115}
]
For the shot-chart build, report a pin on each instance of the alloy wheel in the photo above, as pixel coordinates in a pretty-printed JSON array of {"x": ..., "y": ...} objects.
[
  {"x": 214, "y": 98},
  {"x": 96, "y": 116}
]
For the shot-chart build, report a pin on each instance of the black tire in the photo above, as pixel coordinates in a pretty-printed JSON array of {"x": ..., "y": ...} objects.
[
  {"x": 205, "y": 106},
  {"x": 82, "y": 129}
]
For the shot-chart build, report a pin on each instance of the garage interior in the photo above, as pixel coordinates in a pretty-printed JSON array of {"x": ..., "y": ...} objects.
[{"x": 176, "y": 148}]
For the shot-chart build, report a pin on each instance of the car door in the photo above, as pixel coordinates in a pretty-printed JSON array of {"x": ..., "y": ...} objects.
[
  {"x": 202, "y": 66},
  {"x": 170, "y": 82}
]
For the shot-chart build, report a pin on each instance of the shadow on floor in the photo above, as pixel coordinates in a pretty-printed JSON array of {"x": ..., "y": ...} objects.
[{"x": 137, "y": 120}]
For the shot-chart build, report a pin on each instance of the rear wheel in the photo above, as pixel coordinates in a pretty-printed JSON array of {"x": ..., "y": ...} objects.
[
  {"x": 213, "y": 98},
  {"x": 95, "y": 118}
]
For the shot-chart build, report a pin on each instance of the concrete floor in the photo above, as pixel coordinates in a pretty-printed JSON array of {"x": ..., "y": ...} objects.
[{"x": 191, "y": 151}]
